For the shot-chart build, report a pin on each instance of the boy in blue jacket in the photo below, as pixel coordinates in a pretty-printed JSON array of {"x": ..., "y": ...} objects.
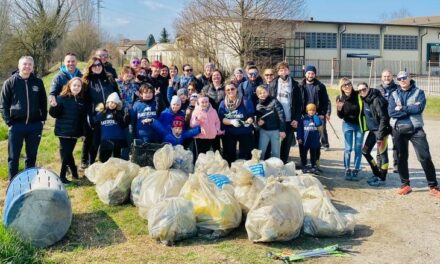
[
  {"x": 176, "y": 135},
  {"x": 167, "y": 116},
  {"x": 308, "y": 136}
]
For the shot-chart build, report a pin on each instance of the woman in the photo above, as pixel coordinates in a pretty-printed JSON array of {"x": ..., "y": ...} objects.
[
  {"x": 215, "y": 90},
  {"x": 349, "y": 108},
  {"x": 235, "y": 113},
  {"x": 145, "y": 63},
  {"x": 174, "y": 71},
  {"x": 269, "y": 76},
  {"x": 99, "y": 85},
  {"x": 238, "y": 77},
  {"x": 135, "y": 64}
]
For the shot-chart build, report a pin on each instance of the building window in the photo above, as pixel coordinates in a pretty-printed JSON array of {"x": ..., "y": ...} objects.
[
  {"x": 318, "y": 40},
  {"x": 360, "y": 41},
  {"x": 400, "y": 42}
]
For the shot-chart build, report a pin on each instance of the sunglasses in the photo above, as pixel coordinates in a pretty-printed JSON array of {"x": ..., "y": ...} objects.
[
  {"x": 253, "y": 74},
  {"x": 188, "y": 70},
  {"x": 97, "y": 65},
  {"x": 136, "y": 62},
  {"x": 103, "y": 56},
  {"x": 230, "y": 89},
  {"x": 268, "y": 75},
  {"x": 347, "y": 85},
  {"x": 404, "y": 78},
  {"x": 363, "y": 90}
]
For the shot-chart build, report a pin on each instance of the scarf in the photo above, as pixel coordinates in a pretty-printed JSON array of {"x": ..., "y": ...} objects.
[{"x": 231, "y": 105}]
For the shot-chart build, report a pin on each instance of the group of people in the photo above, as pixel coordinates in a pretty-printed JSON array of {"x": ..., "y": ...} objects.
[{"x": 151, "y": 103}]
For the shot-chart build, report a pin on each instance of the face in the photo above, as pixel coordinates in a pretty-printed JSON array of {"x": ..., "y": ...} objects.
[
  {"x": 191, "y": 89},
  {"x": 183, "y": 98},
  {"x": 96, "y": 67},
  {"x": 216, "y": 77},
  {"x": 347, "y": 88},
  {"x": 208, "y": 70},
  {"x": 26, "y": 66},
  {"x": 128, "y": 76},
  {"x": 252, "y": 74},
  {"x": 175, "y": 107},
  {"x": 173, "y": 71},
  {"x": 135, "y": 63},
  {"x": 283, "y": 71},
  {"x": 231, "y": 91},
  {"x": 148, "y": 95},
  {"x": 263, "y": 94},
  {"x": 188, "y": 71},
  {"x": 103, "y": 55},
  {"x": 238, "y": 76},
  {"x": 177, "y": 131},
  {"x": 310, "y": 76},
  {"x": 75, "y": 87},
  {"x": 311, "y": 112},
  {"x": 112, "y": 105},
  {"x": 204, "y": 102},
  {"x": 70, "y": 62},
  {"x": 404, "y": 82},
  {"x": 164, "y": 72},
  {"x": 268, "y": 76},
  {"x": 145, "y": 64},
  {"x": 387, "y": 77},
  {"x": 155, "y": 71},
  {"x": 363, "y": 90}
]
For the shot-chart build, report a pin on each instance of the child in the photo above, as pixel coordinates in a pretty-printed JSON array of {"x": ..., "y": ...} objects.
[
  {"x": 206, "y": 116},
  {"x": 271, "y": 121},
  {"x": 113, "y": 123},
  {"x": 144, "y": 110},
  {"x": 70, "y": 113},
  {"x": 176, "y": 135},
  {"x": 167, "y": 116},
  {"x": 308, "y": 136}
]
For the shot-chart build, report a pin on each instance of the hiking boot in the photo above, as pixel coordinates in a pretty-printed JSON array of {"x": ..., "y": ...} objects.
[
  {"x": 435, "y": 191},
  {"x": 375, "y": 181},
  {"x": 404, "y": 189},
  {"x": 354, "y": 175},
  {"x": 348, "y": 175},
  {"x": 64, "y": 180}
]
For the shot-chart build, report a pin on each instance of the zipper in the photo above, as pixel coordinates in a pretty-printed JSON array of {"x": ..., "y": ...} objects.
[
  {"x": 102, "y": 91},
  {"x": 27, "y": 97}
]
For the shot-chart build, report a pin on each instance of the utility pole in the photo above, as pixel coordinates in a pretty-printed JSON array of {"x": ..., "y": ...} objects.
[{"x": 98, "y": 8}]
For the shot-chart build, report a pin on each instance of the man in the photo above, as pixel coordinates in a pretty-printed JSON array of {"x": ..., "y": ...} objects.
[
  {"x": 314, "y": 92},
  {"x": 23, "y": 104},
  {"x": 375, "y": 109},
  {"x": 67, "y": 71},
  {"x": 324, "y": 135},
  {"x": 405, "y": 107},
  {"x": 248, "y": 87},
  {"x": 287, "y": 92},
  {"x": 204, "y": 78},
  {"x": 157, "y": 81},
  {"x": 187, "y": 78},
  {"x": 387, "y": 87},
  {"x": 108, "y": 67}
]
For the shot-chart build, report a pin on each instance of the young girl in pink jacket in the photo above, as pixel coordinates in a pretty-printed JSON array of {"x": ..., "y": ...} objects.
[{"x": 206, "y": 117}]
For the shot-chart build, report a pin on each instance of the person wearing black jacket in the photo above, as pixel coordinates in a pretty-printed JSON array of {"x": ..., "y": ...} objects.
[
  {"x": 378, "y": 123},
  {"x": 108, "y": 67},
  {"x": 286, "y": 90},
  {"x": 157, "y": 81},
  {"x": 70, "y": 113},
  {"x": 23, "y": 105}
]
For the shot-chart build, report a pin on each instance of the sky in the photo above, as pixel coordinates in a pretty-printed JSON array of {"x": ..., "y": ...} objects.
[{"x": 136, "y": 19}]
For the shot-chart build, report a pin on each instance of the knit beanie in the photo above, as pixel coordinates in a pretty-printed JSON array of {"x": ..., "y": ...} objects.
[
  {"x": 178, "y": 121},
  {"x": 114, "y": 97},
  {"x": 176, "y": 100},
  {"x": 182, "y": 91},
  {"x": 310, "y": 68}
]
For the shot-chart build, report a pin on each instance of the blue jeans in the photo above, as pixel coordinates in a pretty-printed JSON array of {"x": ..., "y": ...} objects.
[
  {"x": 352, "y": 131},
  {"x": 272, "y": 136},
  {"x": 29, "y": 133}
]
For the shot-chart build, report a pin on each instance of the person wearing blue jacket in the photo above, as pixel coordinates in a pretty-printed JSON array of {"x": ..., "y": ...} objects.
[
  {"x": 167, "y": 116},
  {"x": 249, "y": 87},
  {"x": 236, "y": 115},
  {"x": 405, "y": 107},
  {"x": 177, "y": 134},
  {"x": 144, "y": 111},
  {"x": 23, "y": 105},
  {"x": 70, "y": 114},
  {"x": 308, "y": 136}
]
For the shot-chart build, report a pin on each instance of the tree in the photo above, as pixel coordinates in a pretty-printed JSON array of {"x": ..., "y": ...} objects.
[
  {"x": 397, "y": 14},
  {"x": 150, "y": 41},
  {"x": 240, "y": 26},
  {"x": 164, "y": 36},
  {"x": 82, "y": 40}
]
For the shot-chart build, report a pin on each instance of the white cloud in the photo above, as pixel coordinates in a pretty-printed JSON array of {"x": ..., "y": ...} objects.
[
  {"x": 119, "y": 21},
  {"x": 154, "y": 5}
]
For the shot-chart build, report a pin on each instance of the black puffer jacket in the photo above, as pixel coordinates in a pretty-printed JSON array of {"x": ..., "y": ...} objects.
[
  {"x": 378, "y": 113},
  {"x": 275, "y": 118},
  {"x": 351, "y": 112},
  {"x": 320, "y": 98},
  {"x": 23, "y": 100},
  {"x": 388, "y": 90},
  {"x": 70, "y": 114}
]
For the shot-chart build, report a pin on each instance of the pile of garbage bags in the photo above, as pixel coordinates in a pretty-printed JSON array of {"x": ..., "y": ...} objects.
[{"x": 211, "y": 199}]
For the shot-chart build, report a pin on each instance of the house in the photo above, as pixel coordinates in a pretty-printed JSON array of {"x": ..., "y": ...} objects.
[{"x": 129, "y": 49}]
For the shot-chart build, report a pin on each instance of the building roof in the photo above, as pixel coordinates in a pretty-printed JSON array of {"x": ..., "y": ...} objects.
[
  {"x": 163, "y": 47},
  {"x": 432, "y": 21},
  {"x": 394, "y": 23}
]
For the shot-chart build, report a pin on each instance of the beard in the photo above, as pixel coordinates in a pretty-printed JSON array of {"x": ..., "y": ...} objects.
[{"x": 284, "y": 77}]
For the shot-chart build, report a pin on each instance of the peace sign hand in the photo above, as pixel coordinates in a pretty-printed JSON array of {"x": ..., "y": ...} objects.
[{"x": 156, "y": 91}]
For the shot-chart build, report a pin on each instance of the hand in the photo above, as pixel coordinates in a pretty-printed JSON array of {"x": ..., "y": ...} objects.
[
  {"x": 249, "y": 120},
  {"x": 170, "y": 82},
  {"x": 321, "y": 117},
  {"x": 327, "y": 116},
  {"x": 100, "y": 108},
  {"x": 83, "y": 138},
  {"x": 398, "y": 108},
  {"x": 379, "y": 144},
  {"x": 282, "y": 135},
  {"x": 234, "y": 122},
  {"x": 156, "y": 91},
  {"x": 300, "y": 141},
  {"x": 202, "y": 131},
  {"x": 147, "y": 121},
  {"x": 220, "y": 132},
  {"x": 52, "y": 101},
  {"x": 339, "y": 104},
  {"x": 260, "y": 122},
  {"x": 294, "y": 124}
]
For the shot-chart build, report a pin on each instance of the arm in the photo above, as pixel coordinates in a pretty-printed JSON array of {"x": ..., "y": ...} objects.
[
  {"x": 191, "y": 132},
  {"x": 418, "y": 107},
  {"x": 56, "y": 111},
  {"x": 392, "y": 112},
  {"x": 43, "y": 101},
  {"x": 170, "y": 93},
  {"x": 55, "y": 87},
  {"x": 280, "y": 112},
  {"x": 5, "y": 102},
  {"x": 323, "y": 100},
  {"x": 297, "y": 102},
  {"x": 300, "y": 131},
  {"x": 339, "y": 107},
  {"x": 194, "y": 122},
  {"x": 158, "y": 127},
  {"x": 384, "y": 122}
]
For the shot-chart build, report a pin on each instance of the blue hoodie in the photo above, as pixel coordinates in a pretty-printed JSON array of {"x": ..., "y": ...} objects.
[
  {"x": 141, "y": 111},
  {"x": 61, "y": 79},
  {"x": 169, "y": 137},
  {"x": 308, "y": 131},
  {"x": 167, "y": 116}
]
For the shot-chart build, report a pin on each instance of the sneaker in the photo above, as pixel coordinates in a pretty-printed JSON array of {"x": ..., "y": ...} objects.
[
  {"x": 65, "y": 181},
  {"x": 435, "y": 191},
  {"x": 348, "y": 175},
  {"x": 307, "y": 169},
  {"x": 315, "y": 170},
  {"x": 375, "y": 182},
  {"x": 84, "y": 165},
  {"x": 354, "y": 175},
  {"x": 325, "y": 148},
  {"x": 404, "y": 189}
]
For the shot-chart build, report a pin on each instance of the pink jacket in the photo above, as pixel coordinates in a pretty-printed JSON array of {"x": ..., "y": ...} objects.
[{"x": 208, "y": 121}]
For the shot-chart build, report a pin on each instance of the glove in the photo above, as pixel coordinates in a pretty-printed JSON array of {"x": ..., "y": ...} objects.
[{"x": 235, "y": 122}]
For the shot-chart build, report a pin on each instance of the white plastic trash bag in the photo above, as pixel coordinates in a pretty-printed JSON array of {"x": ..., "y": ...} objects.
[
  {"x": 274, "y": 167},
  {"x": 136, "y": 184},
  {"x": 163, "y": 158},
  {"x": 183, "y": 159},
  {"x": 113, "y": 179},
  {"x": 246, "y": 187},
  {"x": 289, "y": 169},
  {"x": 277, "y": 214},
  {"x": 172, "y": 220},
  {"x": 216, "y": 210},
  {"x": 211, "y": 162},
  {"x": 256, "y": 166}
]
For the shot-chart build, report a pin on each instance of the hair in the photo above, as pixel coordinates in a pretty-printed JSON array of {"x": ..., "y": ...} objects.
[
  {"x": 101, "y": 49},
  {"x": 145, "y": 58},
  {"x": 252, "y": 67},
  {"x": 249, "y": 63},
  {"x": 134, "y": 58},
  {"x": 260, "y": 89},
  {"x": 65, "y": 92},
  {"x": 282, "y": 64},
  {"x": 267, "y": 70},
  {"x": 23, "y": 58},
  {"x": 362, "y": 83},
  {"x": 343, "y": 81},
  {"x": 193, "y": 84},
  {"x": 145, "y": 87},
  {"x": 70, "y": 54},
  {"x": 210, "y": 64},
  {"x": 102, "y": 76},
  {"x": 118, "y": 106},
  {"x": 229, "y": 83},
  {"x": 127, "y": 69},
  {"x": 221, "y": 75},
  {"x": 387, "y": 70},
  {"x": 185, "y": 65},
  {"x": 172, "y": 66}
]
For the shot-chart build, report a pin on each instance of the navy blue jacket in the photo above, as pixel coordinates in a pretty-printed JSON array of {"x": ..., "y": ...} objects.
[
  {"x": 113, "y": 124},
  {"x": 308, "y": 131},
  {"x": 23, "y": 100},
  {"x": 61, "y": 79},
  {"x": 108, "y": 67},
  {"x": 248, "y": 88},
  {"x": 407, "y": 110},
  {"x": 70, "y": 114},
  {"x": 144, "y": 110},
  {"x": 376, "y": 113},
  {"x": 386, "y": 92},
  {"x": 243, "y": 112}
]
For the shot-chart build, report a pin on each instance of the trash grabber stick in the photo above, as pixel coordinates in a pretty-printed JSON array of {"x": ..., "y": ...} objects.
[{"x": 334, "y": 130}]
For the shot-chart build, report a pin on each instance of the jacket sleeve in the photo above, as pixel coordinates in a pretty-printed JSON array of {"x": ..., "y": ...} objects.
[
  {"x": 418, "y": 107},
  {"x": 5, "y": 102},
  {"x": 281, "y": 116},
  {"x": 160, "y": 104},
  {"x": 123, "y": 119},
  {"x": 392, "y": 107},
  {"x": 170, "y": 93},
  {"x": 297, "y": 102},
  {"x": 191, "y": 132},
  {"x": 329, "y": 108},
  {"x": 56, "y": 111},
  {"x": 193, "y": 122},
  {"x": 158, "y": 127},
  {"x": 43, "y": 101},
  {"x": 250, "y": 109},
  {"x": 317, "y": 121},
  {"x": 340, "y": 113},
  {"x": 300, "y": 130},
  {"x": 384, "y": 122},
  {"x": 56, "y": 87}
]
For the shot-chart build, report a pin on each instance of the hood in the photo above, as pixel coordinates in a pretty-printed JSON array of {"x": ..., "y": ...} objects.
[
  {"x": 372, "y": 94},
  {"x": 64, "y": 70}
]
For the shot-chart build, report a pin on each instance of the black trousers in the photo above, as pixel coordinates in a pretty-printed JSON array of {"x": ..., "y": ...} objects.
[
  {"x": 67, "y": 145},
  {"x": 420, "y": 144},
  {"x": 287, "y": 142},
  {"x": 91, "y": 145},
  {"x": 324, "y": 134},
  {"x": 230, "y": 147},
  {"x": 105, "y": 154},
  {"x": 202, "y": 145},
  {"x": 379, "y": 167},
  {"x": 303, "y": 150}
]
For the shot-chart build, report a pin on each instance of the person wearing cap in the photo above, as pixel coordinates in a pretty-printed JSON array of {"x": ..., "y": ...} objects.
[
  {"x": 405, "y": 107},
  {"x": 238, "y": 77},
  {"x": 167, "y": 116},
  {"x": 158, "y": 82},
  {"x": 176, "y": 134},
  {"x": 386, "y": 88},
  {"x": 349, "y": 107},
  {"x": 206, "y": 76},
  {"x": 308, "y": 136},
  {"x": 113, "y": 122},
  {"x": 375, "y": 109},
  {"x": 286, "y": 90}
]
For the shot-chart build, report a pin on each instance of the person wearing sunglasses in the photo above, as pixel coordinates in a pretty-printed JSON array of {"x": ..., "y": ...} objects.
[
  {"x": 135, "y": 64},
  {"x": 248, "y": 88},
  {"x": 187, "y": 78},
  {"x": 204, "y": 78},
  {"x": 108, "y": 67},
  {"x": 269, "y": 76},
  {"x": 375, "y": 109},
  {"x": 405, "y": 107}
]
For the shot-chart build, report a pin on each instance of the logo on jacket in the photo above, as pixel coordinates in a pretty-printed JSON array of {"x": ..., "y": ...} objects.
[{"x": 35, "y": 88}]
